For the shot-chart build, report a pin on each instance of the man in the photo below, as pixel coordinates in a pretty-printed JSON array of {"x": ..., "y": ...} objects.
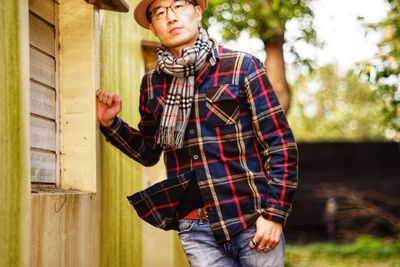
[{"x": 230, "y": 156}]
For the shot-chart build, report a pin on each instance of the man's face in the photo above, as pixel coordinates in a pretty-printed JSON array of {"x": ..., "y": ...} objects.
[{"x": 176, "y": 30}]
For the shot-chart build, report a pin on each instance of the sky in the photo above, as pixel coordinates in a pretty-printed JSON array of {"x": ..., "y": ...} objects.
[{"x": 337, "y": 26}]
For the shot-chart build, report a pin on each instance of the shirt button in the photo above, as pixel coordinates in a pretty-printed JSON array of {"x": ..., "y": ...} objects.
[
  {"x": 196, "y": 157},
  {"x": 191, "y": 131}
]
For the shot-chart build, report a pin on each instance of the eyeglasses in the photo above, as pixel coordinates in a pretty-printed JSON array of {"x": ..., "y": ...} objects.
[{"x": 160, "y": 13}]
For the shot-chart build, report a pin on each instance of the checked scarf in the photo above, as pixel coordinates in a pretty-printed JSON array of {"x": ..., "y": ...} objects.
[{"x": 178, "y": 104}]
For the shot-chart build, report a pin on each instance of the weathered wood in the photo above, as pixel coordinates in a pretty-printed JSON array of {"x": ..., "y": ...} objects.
[
  {"x": 65, "y": 225},
  {"x": 114, "y": 5},
  {"x": 79, "y": 79},
  {"x": 64, "y": 229},
  {"x": 42, "y": 67},
  {"x": 43, "y": 134},
  {"x": 43, "y": 167},
  {"x": 43, "y": 101},
  {"x": 117, "y": 75},
  {"x": 14, "y": 132},
  {"x": 41, "y": 35},
  {"x": 44, "y": 9}
]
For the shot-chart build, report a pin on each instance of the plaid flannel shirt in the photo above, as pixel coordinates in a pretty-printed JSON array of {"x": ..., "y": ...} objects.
[{"x": 238, "y": 145}]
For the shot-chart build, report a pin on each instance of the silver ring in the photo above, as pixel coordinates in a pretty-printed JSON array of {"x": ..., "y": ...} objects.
[{"x": 254, "y": 243}]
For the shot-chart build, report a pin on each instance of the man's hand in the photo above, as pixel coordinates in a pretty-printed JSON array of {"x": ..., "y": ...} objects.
[
  {"x": 268, "y": 235},
  {"x": 108, "y": 105}
]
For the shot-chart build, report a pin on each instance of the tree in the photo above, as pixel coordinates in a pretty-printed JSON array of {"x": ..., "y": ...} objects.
[
  {"x": 333, "y": 107},
  {"x": 266, "y": 19},
  {"x": 385, "y": 69}
]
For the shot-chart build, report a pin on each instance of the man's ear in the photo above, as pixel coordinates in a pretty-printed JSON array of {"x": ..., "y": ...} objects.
[
  {"x": 151, "y": 27},
  {"x": 199, "y": 13}
]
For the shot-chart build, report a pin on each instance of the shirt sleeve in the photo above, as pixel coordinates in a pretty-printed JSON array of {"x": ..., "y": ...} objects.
[
  {"x": 274, "y": 136},
  {"x": 140, "y": 144}
]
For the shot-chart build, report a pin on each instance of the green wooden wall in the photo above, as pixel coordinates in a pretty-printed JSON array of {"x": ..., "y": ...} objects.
[
  {"x": 14, "y": 150},
  {"x": 120, "y": 71}
]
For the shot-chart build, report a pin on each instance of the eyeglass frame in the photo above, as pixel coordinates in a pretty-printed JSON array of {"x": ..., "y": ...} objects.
[{"x": 149, "y": 13}]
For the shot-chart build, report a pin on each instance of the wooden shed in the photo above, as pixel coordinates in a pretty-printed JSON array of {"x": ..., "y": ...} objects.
[{"x": 62, "y": 187}]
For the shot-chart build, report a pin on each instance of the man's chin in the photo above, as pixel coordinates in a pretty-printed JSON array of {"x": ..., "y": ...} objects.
[{"x": 178, "y": 45}]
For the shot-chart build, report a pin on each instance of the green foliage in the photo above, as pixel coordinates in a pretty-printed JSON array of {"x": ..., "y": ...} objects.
[
  {"x": 331, "y": 107},
  {"x": 385, "y": 70},
  {"x": 366, "y": 250},
  {"x": 263, "y": 19}
]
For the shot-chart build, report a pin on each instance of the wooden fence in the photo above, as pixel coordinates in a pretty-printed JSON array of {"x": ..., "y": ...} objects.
[{"x": 360, "y": 167}]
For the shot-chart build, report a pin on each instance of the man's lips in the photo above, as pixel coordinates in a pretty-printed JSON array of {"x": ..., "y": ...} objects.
[{"x": 174, "y": 29}]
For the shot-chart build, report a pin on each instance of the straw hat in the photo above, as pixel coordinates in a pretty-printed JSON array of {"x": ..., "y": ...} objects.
[{"x": 141, "y": 9}]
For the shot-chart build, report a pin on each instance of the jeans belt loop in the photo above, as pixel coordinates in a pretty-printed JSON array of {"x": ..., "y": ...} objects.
[{"x": 199, "y": 212}]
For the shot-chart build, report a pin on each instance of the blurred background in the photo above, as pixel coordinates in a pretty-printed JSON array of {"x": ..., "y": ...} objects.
[{"x": 335, "y": 66}]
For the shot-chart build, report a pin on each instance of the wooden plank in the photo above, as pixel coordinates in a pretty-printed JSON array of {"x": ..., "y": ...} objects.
[
  {"x": 115, "y": 5},
  {"x": 43, "y": 167},
  {"x": 14, "y": 189},
  {"x": 41, "y": 35},
  {"x": 43, "y": 133},
  {"x": 42, "y": 67},
  {"x": 43, "y": 101},
  {"x": 44, "y": 9}
]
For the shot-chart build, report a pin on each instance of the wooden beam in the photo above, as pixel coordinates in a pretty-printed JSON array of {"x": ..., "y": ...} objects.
[
  {"x": 78, "y": 80},
  {"x": 114, "y": 5}
]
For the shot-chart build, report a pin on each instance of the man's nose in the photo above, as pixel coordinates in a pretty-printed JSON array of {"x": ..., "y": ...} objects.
[{"x": 171, "y": 15}]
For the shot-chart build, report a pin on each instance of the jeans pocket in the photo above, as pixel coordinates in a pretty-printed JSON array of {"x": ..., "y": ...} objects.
[
  {"x": 185, "y": 226},
  {"x": 249, "y": 233}
]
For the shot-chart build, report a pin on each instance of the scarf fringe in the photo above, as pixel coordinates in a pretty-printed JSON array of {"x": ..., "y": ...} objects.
[{"x": 175, "y": 116}]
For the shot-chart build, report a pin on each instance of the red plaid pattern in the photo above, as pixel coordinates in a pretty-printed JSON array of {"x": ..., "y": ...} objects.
[{"x": 237, "y": 144}]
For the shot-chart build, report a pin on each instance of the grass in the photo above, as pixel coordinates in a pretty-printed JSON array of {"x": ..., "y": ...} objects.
[{"x": 366, "y": 251}]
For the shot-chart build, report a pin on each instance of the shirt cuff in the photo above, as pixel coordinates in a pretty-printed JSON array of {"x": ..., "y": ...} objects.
[
  {"x": 276, "y": 215},
  {"x": 113, "y": 128}
]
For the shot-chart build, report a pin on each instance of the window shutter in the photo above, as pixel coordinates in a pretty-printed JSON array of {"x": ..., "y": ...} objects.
[{"x": 43, "y": 34}]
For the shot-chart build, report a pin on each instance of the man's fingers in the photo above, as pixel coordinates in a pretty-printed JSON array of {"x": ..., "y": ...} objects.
[
  {"x": 116, "y": 98},
  {"x": 100, "y": 96},
  {"x": 107, "y": 98},
  {"x": 263, "y": 244},
  {"x": 272, "y": 242},
  {"x": 254, "y": 242},
  {"x": 267, "y": 248},
  {"x": 264, "y": 241}
]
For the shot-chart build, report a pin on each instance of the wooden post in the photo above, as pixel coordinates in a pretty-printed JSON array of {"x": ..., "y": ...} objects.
[{"x": 14, "y": 134}]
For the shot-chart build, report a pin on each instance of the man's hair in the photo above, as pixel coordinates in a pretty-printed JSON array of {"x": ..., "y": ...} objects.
[{"x": 148, "y": 13}]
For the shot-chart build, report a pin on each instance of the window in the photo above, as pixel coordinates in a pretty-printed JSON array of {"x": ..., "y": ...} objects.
[
  {"x": 44, "y": 119},
  {"x": 149, "y": 50}
]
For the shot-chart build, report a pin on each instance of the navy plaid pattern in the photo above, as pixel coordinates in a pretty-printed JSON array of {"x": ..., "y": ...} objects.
[{"x": 237, "y": 144}]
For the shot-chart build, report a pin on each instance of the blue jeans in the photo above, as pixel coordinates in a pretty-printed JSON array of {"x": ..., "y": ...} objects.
[{"x": 201, "y": 248}]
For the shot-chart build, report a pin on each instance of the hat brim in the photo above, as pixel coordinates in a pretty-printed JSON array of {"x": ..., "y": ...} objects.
[{"x": 141, "y": 9}]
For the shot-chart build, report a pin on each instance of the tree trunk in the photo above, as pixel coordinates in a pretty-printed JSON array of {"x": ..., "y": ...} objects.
[{"x": 275, "y": 65}]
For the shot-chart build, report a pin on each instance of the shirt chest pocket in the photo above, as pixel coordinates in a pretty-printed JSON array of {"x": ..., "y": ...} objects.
[{"x": 222, "y": 105}]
